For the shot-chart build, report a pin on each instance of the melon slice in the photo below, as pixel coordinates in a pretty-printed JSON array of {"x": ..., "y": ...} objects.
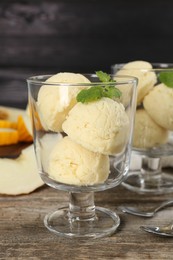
[
  {"x": 12, "y": 113},
  {"x": 7, "y": 124},
  {"x": 17, "y": 119},
  {"x": 24, "y": 134},
  {"x": 20, "y": 175},
  {"x": 8, "y": 136}
]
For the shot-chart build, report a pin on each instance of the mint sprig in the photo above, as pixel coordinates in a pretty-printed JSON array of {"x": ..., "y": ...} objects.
[
  {"x": 91, "y": 94},
  {"x": 97, "y": 92},
  {"x": 166, "y": 78},
  {"x": 104, "y": 77}
]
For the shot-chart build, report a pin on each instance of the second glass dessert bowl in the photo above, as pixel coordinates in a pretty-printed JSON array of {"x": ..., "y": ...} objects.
[
  {"x": 153, "y": 131},
  {"x": 82, "y": 137}
]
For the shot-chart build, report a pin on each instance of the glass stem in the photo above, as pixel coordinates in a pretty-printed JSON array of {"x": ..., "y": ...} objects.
[
  {"x": 81, "y": 206},
  {"x": 151, "y": 169}
]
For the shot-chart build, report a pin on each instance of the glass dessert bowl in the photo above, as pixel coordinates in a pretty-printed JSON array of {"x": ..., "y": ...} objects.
[
  {"x": 153, "y": 131},
  {"x": 82, "y": 136}
]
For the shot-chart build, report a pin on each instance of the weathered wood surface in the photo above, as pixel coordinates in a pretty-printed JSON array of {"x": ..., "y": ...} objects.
[{"x": 23, "y": 235}]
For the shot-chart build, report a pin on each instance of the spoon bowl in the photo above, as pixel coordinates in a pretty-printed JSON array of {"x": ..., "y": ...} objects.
[
  {"x": 162, "y": 231},
  {"x": 149, "y": 214}
]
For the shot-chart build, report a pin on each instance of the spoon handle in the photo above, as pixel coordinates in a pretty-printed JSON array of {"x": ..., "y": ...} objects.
[
  {"x": 162, "y": 231},
  {"x": 163, "y": 205}
]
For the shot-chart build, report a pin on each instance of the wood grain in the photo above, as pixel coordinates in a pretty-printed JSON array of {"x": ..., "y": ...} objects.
[{"x": 23, "y": 235}]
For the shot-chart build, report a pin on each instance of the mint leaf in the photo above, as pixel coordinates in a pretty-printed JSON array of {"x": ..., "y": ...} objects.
[
  {"x": 91, "y": 94},
  {"x": 104, "y": 77},
  {"x": 97, "y": 92},
  {"x": 166, "y": 78},
  {"x": 112, "y": 92}
]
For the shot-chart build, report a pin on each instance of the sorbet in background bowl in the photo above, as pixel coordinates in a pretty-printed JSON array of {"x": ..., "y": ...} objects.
[{"x": 152, "y": 138}]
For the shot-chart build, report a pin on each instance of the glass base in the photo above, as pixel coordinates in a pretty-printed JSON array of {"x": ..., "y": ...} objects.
[
  {"x": 104, "y": 224},
  {"x": 158, "y": 185}
]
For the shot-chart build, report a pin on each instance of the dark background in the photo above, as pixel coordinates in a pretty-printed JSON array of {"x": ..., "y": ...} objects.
[{"x": 43, "y": 37}]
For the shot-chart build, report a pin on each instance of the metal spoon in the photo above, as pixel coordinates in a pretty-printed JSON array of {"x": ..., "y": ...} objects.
[
  {"x": 162, "y": 231},
  {"x": 151, "y": 213}
]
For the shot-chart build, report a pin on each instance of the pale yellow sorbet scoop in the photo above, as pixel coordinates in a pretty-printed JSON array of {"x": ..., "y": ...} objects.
[
  {"x": 146, "y": 77},
  {"x": 72, "y": 164},
  {"x": 100, "y": 126},
  {"x": 54, "y": 102},
  {"x": 159, "y": 105},
  {"x": 147, "y": 133}
]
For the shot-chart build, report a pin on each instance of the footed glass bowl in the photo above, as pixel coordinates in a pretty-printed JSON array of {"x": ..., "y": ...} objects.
[
  {"x": 78, "y": 150},
  {"x": 153, "y": 131}
]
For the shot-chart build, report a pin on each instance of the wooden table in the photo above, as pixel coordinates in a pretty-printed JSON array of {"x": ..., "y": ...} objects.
[{"x": 23, "y": 235}]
